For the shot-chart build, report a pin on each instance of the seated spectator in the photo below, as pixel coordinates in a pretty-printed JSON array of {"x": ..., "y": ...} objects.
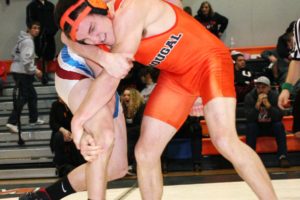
[
  {"x": 243, "y": 79},
  {"x": 265, "y": 118},
  {"x": 133, "y": 106},
  {"x": 213, "y": 21},
  {"x": 66, "y": 155},
  {"x": 148, "y": 77}
]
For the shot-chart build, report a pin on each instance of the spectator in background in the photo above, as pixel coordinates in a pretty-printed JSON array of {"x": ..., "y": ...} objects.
[
  {"x": 133, "y": 106},
  {"x": 1, "y": 86},
  {"x": 264, "y": 117},
  {"x": 284, "y": 48},
  {"x": 195, "y": 131},
  {"x": 243, "y": 79},
  {"x": 2, "y": 78},
  {"x": 213, "y": 21},
  {"x": 272, "y": 57},
  {"x": 148, "y": 77},
  {"x": 132, "y": 79},
  {"x": 66, "y": 155},
  {"x": 23, "y": 70},
  {"x": 42, "y": 11},
  {"x": 188, "y": 9}
]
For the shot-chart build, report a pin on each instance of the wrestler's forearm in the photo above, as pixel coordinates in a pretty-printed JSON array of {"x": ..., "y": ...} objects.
[
  {"x": 96, "y": 68},
  {"x": 294, "y": 72},
  {"x": 100, "y": 93}
]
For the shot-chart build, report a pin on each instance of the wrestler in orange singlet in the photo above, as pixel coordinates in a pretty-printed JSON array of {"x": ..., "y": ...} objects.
[{"x": 205, "y": 69}]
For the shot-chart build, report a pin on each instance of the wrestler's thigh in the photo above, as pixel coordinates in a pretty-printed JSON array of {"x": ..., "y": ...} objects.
[
  {"x": 118, "y": 158},
  {"x": 218, "y": 81},
  {"x": 169, "y": 103},
  {"x": 78, "y": 93},
  {"x": 72, "y": 92},
  {"x": 120, "y": 147},
  {"x": 154, "y": 133}
]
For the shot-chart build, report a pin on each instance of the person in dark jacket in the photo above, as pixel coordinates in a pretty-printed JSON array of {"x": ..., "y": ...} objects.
[
  {"x": 213, "y": 21},
  {"x": 66, "y": 155},
  {"x": 243, "y": 78},
  {"x": 284, "y": 49},
  {"x": 43, "y": 12},
  {"x": 45, "y": 47},
  {"x": 265, "y": 118}
]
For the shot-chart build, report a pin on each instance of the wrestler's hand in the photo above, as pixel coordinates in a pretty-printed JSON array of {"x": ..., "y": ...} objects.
[
  {"x": 117, "y": 64},
  {"x": 283, "y": 99},
  {"x": 88, "y": 148}
]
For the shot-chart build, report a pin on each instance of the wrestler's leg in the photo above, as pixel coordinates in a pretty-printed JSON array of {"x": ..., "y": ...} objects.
[
  {"x": 106, "y": 161},
  {"x": 100, "y": 126},
  {"x": 165, "y": 112},
  {"x": 118, "y": 164},
  {"x": 220, "y": 118},
  {"x": 97, "y": 123},
  {"x": 155, "y": 135}
]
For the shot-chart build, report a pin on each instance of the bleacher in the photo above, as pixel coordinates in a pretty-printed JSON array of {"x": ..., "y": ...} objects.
[
  {"x": 265, "y": 144},
  {"x": 34, "y": 159}
]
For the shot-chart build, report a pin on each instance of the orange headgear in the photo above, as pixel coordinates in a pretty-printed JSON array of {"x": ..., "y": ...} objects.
[{"x": 96, "y": 5}]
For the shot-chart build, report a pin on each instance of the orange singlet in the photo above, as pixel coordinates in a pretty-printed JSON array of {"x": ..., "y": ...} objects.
[{"x": 193, "y": 62}]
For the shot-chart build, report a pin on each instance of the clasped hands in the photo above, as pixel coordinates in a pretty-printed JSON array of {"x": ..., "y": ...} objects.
[{"x": 262, "y": 100}]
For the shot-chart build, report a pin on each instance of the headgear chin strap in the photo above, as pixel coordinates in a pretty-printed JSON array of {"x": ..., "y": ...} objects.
[{"x": 90, "y": 5}]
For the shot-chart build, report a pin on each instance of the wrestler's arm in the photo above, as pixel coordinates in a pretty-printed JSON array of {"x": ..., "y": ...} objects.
[
  {"x": 96, "y": 68},
  {"x": 292, "y": 77},
  {"x": 294, "y": 72},
  {"x": 110, "y": 62}
]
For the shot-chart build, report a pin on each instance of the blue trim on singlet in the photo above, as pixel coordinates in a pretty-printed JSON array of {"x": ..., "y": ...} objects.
[
  {"x": 65, "y": 55},
  {"x": 116, "y": 113}
]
